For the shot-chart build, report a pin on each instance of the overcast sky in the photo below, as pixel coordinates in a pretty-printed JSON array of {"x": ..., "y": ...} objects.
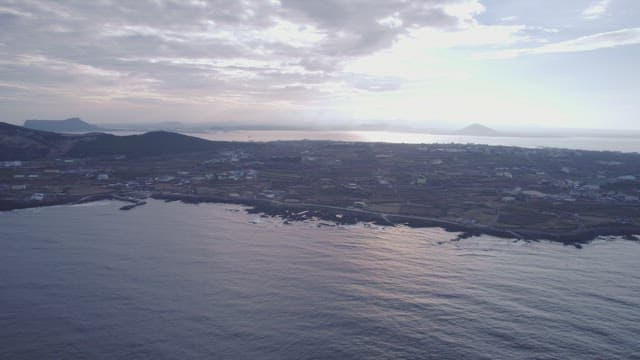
[{"x": 568, "y": 63}]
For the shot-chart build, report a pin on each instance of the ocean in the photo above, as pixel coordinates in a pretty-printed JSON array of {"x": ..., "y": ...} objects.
[
  {"x": 593, "y": 143},
  {"x": 629, "y": 144},
  {"x": 176, "y": 281}
]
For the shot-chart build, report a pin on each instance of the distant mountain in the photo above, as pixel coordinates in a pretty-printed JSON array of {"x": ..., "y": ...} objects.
[
  {"x": 20, "y": 143},
  {"x": 62, "y": 126},
  {"x": 150, "y": 144},
  {"x": 477, "y": 130}
]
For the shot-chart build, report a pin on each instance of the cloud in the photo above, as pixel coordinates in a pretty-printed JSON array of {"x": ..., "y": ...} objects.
[
  {"x": 509, "y": 18},
  {"x": 605, "y": 40},
  {"x": 188, "y": 49},
  {"x": 214, "y": 58},
  {"x": 596, "y": 10},
  {"x": 10, "y": 12}
]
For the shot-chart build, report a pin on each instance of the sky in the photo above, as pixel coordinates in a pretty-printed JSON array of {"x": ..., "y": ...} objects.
[{"x": 402, "y": 63}]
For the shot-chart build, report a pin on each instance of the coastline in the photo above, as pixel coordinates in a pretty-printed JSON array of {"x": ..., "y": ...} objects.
[
  {"x": 6, "y": 206},
  {"x": 339, "y": 215}
]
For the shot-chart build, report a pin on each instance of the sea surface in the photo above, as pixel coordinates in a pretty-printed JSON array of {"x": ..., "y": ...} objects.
[
  {"x": 176, "y": 281},
  {"x": 594, "y": 143}
]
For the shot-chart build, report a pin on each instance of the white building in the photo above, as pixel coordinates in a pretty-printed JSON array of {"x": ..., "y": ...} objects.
[
  {"x": 11, "y": 163},
  {"x": 627, "y": 178}
]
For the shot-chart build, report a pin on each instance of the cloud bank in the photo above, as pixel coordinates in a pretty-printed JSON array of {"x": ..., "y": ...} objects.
[
  {"x": 287, "y": 60},
  {"x": 225, "y": 53},
  {"x": 596, "y": 9},
  {"x": 593, "y": 42}
]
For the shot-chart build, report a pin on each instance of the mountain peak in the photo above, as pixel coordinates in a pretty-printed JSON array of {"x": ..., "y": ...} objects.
[
  {"x": 74, "y": 124},
  {"x": 476, "y": 129}
]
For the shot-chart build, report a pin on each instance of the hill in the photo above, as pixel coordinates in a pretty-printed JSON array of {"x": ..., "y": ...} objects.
[
  {"x": 149, "y": 144},
  {"x": 20, "y": 143},
  {"x": 67, "y": 125},
  {"x": 477, "y": 130}
]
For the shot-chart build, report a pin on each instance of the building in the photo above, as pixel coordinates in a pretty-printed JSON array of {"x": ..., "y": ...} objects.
[
  {"x": 165, "y": 179},
  {"x": 627, "y": 178},
  {"x": 10, "y": 163},
  {"x": 360, "y": 204}
]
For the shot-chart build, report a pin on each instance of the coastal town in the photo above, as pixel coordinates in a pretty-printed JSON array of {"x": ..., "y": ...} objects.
[{"x": 525, "y": 192}]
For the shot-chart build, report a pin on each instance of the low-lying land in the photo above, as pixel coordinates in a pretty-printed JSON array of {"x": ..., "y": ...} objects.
[{"x": 564, "y": 195}]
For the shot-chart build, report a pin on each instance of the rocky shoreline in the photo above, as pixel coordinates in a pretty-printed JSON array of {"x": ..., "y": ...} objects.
[
  {"x": 344, "y": 216},
  {"x": 301, "y": 212}
]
